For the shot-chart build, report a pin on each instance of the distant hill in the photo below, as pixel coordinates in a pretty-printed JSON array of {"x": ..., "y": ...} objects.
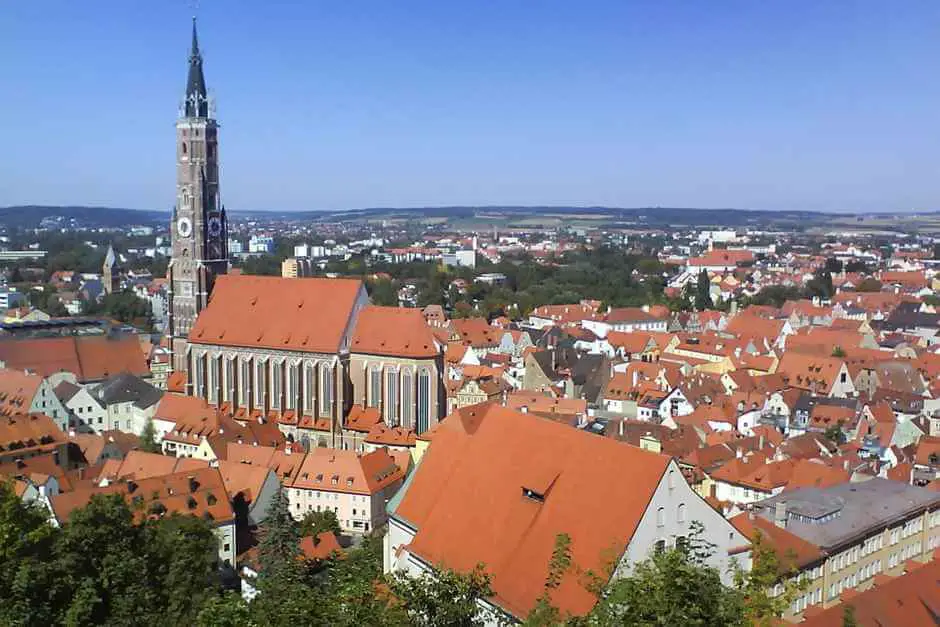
[{"x": 31, "y": 216}]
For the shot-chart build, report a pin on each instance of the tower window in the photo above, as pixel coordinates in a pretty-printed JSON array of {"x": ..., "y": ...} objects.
[{"x": 184, "y": 148}]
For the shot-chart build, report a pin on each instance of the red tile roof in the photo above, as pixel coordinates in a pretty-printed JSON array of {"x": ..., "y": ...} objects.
[
  {"x": 304, "y": 314},
  {"x": 471, "y": 483},
  {"x": 88, "y": 357},
  {"x": 196, "y": 492},
  {"x": 911, "y": 599},
  {"x": 17, "y": 389},
  {"x": 28, "y": 433},
  {"x": 395, "y": 332},
  {"x": 333, "y": 470}
]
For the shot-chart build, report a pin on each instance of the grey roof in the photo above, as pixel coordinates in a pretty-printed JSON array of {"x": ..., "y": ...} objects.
[
  {"x": 856, "y": 509},
  {"x": 66, "y": 390},
  {"x": 125, "y": 387}
]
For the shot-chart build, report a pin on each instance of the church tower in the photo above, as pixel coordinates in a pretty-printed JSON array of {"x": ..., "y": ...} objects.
[
  {"x": 110, "y": 274},
  {"x": 198, "y": 230}
]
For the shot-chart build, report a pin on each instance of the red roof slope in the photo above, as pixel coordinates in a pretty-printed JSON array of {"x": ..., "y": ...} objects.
[
  {"x": 470, "y": 485},
  {"x": 393, "y": 331},
  {"x": 911, "y": 599},
  {"x": 89, "y": 357},
  {"x": 305, "y": 314}
]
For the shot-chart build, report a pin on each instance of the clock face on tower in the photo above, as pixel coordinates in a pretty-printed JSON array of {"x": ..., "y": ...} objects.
[
  {"x": 184, "y": 226},
  {"x": 215, "y": 226}
]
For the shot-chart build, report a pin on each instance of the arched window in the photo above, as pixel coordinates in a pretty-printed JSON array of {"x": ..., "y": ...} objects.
[
  {"x": 680, "y": 513},
  {"x": 244, "y": 386},
  {"x": 375, "y": 386},
  {"x": 261, "y": 372},
  {"x": 183, "y": 147},
  {"x": 293, "y": 385},
  {"x": 407, "y": 399},
  {"x": 671, "y": 479},
  {"x": 212, "y": 380},
  {"x": 310, "y": 384},
  {"x": 277, "y": 384},
  {"x": 391, "y": 396},
  {"x": 326, "y": 390},
  {"x": 424, "y": 400},
  {"x": 661, "y": 517}
]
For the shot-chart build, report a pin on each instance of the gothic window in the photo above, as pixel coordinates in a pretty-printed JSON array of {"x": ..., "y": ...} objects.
[
  {"x": 212, "y": 392},
  {"x": 245, "y": 385},
  {"x": 200, "y": 374},
  {"x": 326, "y": 390},
  {"x": 424, "y": 400},
  {"x": 375, "y": 386},
  {"x": 277, "y": 383},
  {"x": 407, "y": 399},
  {"x": 310, "y": 388},
  {"x": 183, "y": 146},
  {"x": 229, "y": 382},
  {"x": 391, "y": 396},
  {"x": 680, "y": 513},
  {"x": 293, "y": 383},
  {"x": 260, "y": 382}
]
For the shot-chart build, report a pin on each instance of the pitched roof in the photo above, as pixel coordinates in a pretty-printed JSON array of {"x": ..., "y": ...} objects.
[
  {"x": 196, "y": 492},
  {"x": 303, "y": 314},
  {"x": 125, "y": 387},
  {"x": 472, "y": 483},
  {"x": 284, "y": 461},
  {"x": 911, "y": 599},
  {"x": 17, "y": 389},
  {"x": 793, "y": 551},
  {"x": 393, "y": 331},
  {"x": 334, "y": 470},
  {"x": 88, "y": 357},
  {"x": 143, "y": 465},
  {"x": 29, "y": 433}
]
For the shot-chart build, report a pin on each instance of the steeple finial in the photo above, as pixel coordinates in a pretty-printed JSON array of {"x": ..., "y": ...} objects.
[{"x": 196, "y": 101}]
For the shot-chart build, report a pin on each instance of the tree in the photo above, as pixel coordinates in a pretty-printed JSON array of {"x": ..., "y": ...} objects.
[
  {"x": 835, "y": 434},
  {"x": 848, "y": 616},
  {"x": 545, "y": 613},
  {"x": 442, "y": 598},
  {"x": 383, "y": 292},
  {"x": 148, "y": 438},
  {"x": 315, "y": 523},
  {"x": 703, "y": 298},
  {"x": 671, "y": 587},
  {"x": 225, "y": 610},
  {"x": 761, "y": 606},
  {"x": 869, "y": 284},
  {"x": 279, "y": 549}
]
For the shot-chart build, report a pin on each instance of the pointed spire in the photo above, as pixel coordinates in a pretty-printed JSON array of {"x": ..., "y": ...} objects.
[{"x": 197, "y": 102}]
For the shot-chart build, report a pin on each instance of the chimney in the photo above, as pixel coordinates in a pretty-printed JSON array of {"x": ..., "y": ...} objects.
[
  {"x": 635, "y": 375},
  {"x": 780, "y": 514},
  {"x": 621, "y": 427},
  {"x": 739, "y": 453},
  {"x": 288, "y": 449},
  {"x": 524, "y": 409}
]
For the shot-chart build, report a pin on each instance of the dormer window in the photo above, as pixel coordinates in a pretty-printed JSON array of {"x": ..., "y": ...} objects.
[{"x": 531, "y": 494}]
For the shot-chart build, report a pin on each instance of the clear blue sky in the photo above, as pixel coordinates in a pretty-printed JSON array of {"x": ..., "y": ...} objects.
[{"x": 821, "y": 105}]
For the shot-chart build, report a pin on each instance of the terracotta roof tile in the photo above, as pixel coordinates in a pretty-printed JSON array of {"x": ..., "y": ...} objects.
[
  {"x": 471, "y": 484},
  {"x": 306, "y": 314},
  {"x": 88, "y": 357}
]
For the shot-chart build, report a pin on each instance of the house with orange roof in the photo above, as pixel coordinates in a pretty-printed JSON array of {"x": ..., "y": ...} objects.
[
  {"x": 354, "y": 487},
  {"x": 905, "y": 599},
  {"x": 193, "y": 492},
  {"x": 25, "y": 435},
  {"x": 25, "y": 392},
  {"x": 521, "y": 503},
  {"x": 628, "y": 320},
  {"x": 825, "y": 376},
  {"x": 720, "y": 260},
  {"x": 637, "y": 346},
  {"x": 277, "y": 345}
]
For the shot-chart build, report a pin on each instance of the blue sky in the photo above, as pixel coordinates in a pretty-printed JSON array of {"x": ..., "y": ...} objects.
[{"x": 812, "y": 105}]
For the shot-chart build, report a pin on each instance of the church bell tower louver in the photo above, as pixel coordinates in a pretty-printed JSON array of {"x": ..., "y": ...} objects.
[{"x": 198, "y": 229}]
